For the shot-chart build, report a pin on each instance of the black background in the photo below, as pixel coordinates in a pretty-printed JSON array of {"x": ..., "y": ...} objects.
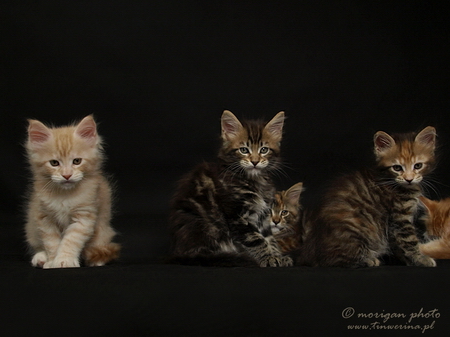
[{"x": 158, "y": 74}]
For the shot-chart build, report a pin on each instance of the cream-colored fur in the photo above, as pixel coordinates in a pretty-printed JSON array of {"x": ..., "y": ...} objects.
[{"x": 69, "y": 209}]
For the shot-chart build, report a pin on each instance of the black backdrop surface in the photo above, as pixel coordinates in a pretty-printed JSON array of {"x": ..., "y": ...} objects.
[{"x": 158, "y": 74}]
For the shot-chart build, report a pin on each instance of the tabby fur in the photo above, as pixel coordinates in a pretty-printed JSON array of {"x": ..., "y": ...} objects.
[
  {"x": 286, "y": 212},
  {"x": 220, "y": 213},
  {"x": 371, "y": 212}
]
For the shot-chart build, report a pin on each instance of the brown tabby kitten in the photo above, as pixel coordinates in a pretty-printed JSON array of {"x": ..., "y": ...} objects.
[
  {"x": 437, "y": 222},
  {"x": 370, "y": 213},
  {"x": 285, "y": 217},
  {"x": 220, "y": 213},
  {"x": 69, "y": 209}
]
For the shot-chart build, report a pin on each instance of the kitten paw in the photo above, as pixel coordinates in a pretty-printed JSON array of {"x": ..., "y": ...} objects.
[
  {"x": 62, "y": 263},
  {"x": 424, "y": 261},
  {"x": 374, "y": 262},
  {"x": 39, "y": 259},
  {"x": 276, "y": 261},
  {"x": 287, "y": 261}
]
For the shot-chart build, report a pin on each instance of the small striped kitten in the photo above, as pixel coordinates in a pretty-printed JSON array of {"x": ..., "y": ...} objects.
[
  {"x": 69, "y": 208},
  {"x": 286, "y": 213},
  {"x": 437, "y": 221},
  {"x": 220, "y": 214},
  {"x": 370, "y": 213}
]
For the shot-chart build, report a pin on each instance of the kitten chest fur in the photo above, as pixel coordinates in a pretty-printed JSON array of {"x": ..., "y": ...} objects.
[{"x": 63, "y": 204}]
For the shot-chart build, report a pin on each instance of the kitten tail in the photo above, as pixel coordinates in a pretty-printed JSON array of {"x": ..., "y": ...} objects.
[{"x": 99, "y": 256}]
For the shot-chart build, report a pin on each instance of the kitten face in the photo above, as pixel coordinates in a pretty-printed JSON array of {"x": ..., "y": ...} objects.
[
  {"x": 407, "y": 158},
  {"x": 285, "y": 209},
  {"x": 251, "y": 146},
  {"x": 63, "y": 156}
]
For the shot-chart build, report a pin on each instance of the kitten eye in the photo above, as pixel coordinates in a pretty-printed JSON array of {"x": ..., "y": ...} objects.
[
  {"x": 418, "y": 166},
  {"x": 264, "y": 150},
  {"x": 77, "y": 161},
  {"x": 244, "y": 150},
  {"x": 397, "y": 168},
  {"x": 54, "y": 162},
  {"x": 284, "y": 212}
]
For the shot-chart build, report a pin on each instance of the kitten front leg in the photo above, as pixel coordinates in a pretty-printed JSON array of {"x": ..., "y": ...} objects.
[
  {"x": 406, "y": 247},
  {"x": 49, "y": 240},
  {"x": 73, "y": 241},
  {"x": 265, "y": 251}
]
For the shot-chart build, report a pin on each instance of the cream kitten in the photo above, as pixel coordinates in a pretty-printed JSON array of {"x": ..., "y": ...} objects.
[{"x": 69, "y": 208}]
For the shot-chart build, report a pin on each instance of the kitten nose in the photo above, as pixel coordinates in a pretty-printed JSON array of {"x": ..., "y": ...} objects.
[
  {"x": 67, "y": 176},
  {"x": 255, "y": 163},
  {"x": 409, "y": 181}
]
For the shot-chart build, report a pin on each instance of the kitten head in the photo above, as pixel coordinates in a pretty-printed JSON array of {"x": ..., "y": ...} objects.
[
  {"x": 437, "y": 217},
  {"x": 62, "y": 157},
  {"x": 286, "y": 209},
  {"x": 407, "y": 157},
  {"x": 251, "y": 146}
]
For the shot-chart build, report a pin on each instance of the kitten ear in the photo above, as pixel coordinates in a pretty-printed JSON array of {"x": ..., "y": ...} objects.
[
  {"x": 38, "y": 133},
  {"x": 231, "y": 127},
  {"x": 427, "y": 137},
  {"x": 275, "y": 126},
  {"x": 293, "y": 193},
  {"x": 382, "y": 142},
  {"x": 87, "y": 129}
]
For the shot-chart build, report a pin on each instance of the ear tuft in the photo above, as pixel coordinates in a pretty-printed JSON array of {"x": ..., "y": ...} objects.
[
  {"x": 293, "y": 193},
  {"x": 382, "y": 142},
  {"x": 275, "y": 126},
  {"x": 427, "y": 137},
  {"x": 231, "y": 126},
  {"x": 87, "y": 128},
  {"x": 38, "y": 133}
]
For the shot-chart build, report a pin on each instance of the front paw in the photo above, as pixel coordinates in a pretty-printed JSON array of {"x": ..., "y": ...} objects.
[
  {"x": 423, "y": 261},
  {"x": 276, "y": 261},
  {"x": 39, "y": 259},
  {"x": 66, "y": 262}
]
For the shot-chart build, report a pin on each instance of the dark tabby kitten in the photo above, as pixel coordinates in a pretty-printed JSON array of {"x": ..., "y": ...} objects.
[
  {"x": 285, "y": 216},
  {"x": 221, "y": 211},
  {"x": 370, "y": 213}
]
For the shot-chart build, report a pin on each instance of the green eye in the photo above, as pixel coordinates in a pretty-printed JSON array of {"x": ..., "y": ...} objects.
[
  {"x": 77, "y": 161},
  {"x": 54, "y": 162},
  {"x": 397, "y": 168},
  {"x": 244, "y": 150},
  {"x": 264, "y": 150},
  {"x": 418, "y": 166}
]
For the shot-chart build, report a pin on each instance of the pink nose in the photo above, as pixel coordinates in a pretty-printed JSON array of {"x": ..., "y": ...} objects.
[{"x": 67, "y": 176}]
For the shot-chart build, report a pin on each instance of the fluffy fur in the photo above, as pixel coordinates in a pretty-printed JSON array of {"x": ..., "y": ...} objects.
[
  {"x": 437, "y": 221},
  {"x": 371, "y": 212},
  {"x": 286, "y": 213},
  {"x": 220, "y": 214},
  {"x": 69, "y": 208}
]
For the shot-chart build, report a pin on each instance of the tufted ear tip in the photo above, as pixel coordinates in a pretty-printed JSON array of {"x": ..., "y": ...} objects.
[
  {"x": 87, "y": 128},
  {"x": 275, "y": 126},
  {"x": 38, "y": 133},
  {"x": 231, "y": 126},
  {"x": 382, "y": 142},
  {"x": 427, "y": 136}
]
